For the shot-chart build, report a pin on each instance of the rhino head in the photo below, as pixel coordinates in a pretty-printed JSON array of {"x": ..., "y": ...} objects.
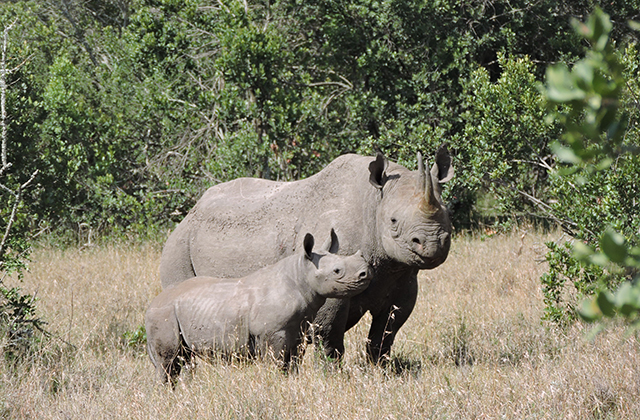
[
  {"x": 333, "y": 275},
  {"x": 413, "y": 223}
]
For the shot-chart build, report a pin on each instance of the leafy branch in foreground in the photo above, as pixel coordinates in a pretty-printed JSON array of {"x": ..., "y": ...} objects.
[{"x": 600, "y": 156}]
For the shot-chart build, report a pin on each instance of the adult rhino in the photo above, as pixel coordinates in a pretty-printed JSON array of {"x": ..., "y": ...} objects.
[{"x": 395, "y": 216}]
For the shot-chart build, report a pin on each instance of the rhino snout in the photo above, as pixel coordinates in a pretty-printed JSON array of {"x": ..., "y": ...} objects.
[
  {"x": 364, "y": 274},
  {"x": 428, "y": 248}
]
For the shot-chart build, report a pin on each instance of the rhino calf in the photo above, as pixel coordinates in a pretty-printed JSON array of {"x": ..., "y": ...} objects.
[{"x": 263, "y": 313}]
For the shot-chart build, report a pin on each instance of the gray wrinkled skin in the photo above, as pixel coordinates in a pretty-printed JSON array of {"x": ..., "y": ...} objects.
[
  {"x": 264, "y": 313},
  {"x": 395, "y": 216}
]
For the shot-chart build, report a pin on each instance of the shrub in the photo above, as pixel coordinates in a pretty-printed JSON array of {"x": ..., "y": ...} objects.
[{"x": 596, "y": 183}]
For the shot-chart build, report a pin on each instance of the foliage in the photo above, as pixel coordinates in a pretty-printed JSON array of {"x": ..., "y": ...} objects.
[
  {"x": 504, "y": 150},
  {"x": 131, "y": 109},
  {"x": 18, "y": 320},
  {"x": 136, "y": 339},
  {"x": 20, "y": 326},
  {"x": 598, "y": 186}
]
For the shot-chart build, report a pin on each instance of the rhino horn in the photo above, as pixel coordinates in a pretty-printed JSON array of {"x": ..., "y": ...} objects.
[
  {"x": 421, "y": 174},
  {"x": 425, "y": 184}
]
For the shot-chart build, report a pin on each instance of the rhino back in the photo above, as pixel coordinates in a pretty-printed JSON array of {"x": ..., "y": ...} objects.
[
  {"x": 212, "y": 314},
  {"x": 242, "y": 225}
]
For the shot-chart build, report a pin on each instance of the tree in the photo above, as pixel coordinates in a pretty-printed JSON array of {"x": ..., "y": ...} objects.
[{"x": 18, "y": 319}]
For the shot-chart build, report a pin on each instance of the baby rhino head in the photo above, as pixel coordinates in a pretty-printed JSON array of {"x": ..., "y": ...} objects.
[{"x": 333, "y": 275}]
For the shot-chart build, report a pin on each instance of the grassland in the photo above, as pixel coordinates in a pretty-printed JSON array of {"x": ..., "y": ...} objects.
[{"x": 474, "y": 348}]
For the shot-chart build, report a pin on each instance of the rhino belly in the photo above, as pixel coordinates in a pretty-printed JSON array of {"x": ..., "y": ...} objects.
[{"x": 215, "y": 322}]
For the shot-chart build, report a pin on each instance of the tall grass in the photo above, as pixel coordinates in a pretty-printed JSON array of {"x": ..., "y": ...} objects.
[{"x": 474, "y": 347}]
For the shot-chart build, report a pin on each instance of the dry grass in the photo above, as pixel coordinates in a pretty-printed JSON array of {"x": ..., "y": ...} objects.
[{"x": 473, "y": 348}]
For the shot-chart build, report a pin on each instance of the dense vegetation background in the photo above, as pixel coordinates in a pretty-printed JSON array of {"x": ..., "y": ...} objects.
[{"x": 129, "y": 109}]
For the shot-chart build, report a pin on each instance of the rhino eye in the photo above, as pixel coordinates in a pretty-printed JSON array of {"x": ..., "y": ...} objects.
[
  {"x": 394, "y": 220},
  {"x": 337, "y": 271}
]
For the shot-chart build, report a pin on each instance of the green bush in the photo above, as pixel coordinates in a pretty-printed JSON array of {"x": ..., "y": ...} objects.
[
  {"x": 21, "y": 328},
  {"x": 19, "y": 324},
  {"x": 130, "y": 110},
  {"x": 597, "y": 186}
]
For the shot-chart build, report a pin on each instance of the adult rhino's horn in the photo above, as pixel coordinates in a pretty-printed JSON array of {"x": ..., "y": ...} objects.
[
  {"x": 422, "y": 176},
  {"x": 425, "y": 184}
]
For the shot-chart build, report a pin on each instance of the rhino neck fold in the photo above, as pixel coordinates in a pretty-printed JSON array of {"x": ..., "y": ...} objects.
[
  {"x": 301, "y": 277},
  {"x": 371, "y": 242}
]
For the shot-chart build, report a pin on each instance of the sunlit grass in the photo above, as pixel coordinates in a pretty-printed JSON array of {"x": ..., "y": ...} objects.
[{"x": 474, "y": 347}]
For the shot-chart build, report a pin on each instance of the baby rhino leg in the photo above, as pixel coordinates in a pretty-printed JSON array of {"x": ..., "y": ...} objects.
[{"x": 164, "y": 343}]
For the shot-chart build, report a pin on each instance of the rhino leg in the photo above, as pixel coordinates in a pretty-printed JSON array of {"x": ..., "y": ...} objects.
[
  {"x": 386, "y": 323},
  {"x": 281, "y": 347},
  {"x": 330, "y": 326}
]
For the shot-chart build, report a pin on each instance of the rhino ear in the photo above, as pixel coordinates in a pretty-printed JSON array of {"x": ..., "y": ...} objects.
[
  {"x": 377, "y": 170},
  {"x": 331, "y": 245},
  {"x": 308, "y": 246},
  {"x": 442, "y": 170}
]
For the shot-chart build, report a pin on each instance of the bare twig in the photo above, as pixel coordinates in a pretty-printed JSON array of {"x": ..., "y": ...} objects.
[
  {"x": 14, "y": 211},
  {"x": 566, "y": 224},
  {"x": 541, "y": 163},
  {"x": 3, "y": 94}
]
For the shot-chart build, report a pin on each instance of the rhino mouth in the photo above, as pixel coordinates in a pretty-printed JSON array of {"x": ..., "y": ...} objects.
[
  {"x": 355, "y": 286},
  {"x": 428, "y": 263},
  {"x": 433, "y": 254},
  {"x": 362, "y": 281}
]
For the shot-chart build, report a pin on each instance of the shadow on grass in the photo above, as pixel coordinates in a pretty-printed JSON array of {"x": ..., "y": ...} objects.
[{"x": 403, "y": 366}]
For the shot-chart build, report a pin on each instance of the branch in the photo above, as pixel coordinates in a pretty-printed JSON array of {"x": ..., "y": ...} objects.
[
  {"x": 3, "y": 94},
  {"x": 7, "y": 189},
  {"x": 566, "y": 224},
  {"x": 14, "y": 211},
  {"x": 67, "y": 13},
  {"x": 542, "y": 163},
  {"x": 17, "y": 195}
]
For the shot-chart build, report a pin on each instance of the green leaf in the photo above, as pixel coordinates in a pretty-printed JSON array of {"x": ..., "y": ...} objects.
[
  {"x": 600, "y": 26},
  {"x": 584, "y": 71},
  {"x": 581, "y": 251},
  {"x": 633, "y": 257},
  {"x": 566, "y": 155},
  {"x": 628, "y": 310},
  {"x": 624, "y": 294},
  {"x": 561, "y": 85},
  {"x": 628, "y": 299},
  {"x": 605, "y": 303},
  {"x": 600, "y": 259},
  {"x": 634, "y": 25},
  {"x": 589, "y": 310},
  {"x": 612, "y": 244},
  {"x": 604, "y": 164}
]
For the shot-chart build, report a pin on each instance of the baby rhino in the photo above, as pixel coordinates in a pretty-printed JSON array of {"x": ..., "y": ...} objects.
[{"x": 266, "y": 312}]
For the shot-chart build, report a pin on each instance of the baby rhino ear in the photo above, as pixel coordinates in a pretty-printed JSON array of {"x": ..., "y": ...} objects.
[{"x": 308, "y": 245}]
